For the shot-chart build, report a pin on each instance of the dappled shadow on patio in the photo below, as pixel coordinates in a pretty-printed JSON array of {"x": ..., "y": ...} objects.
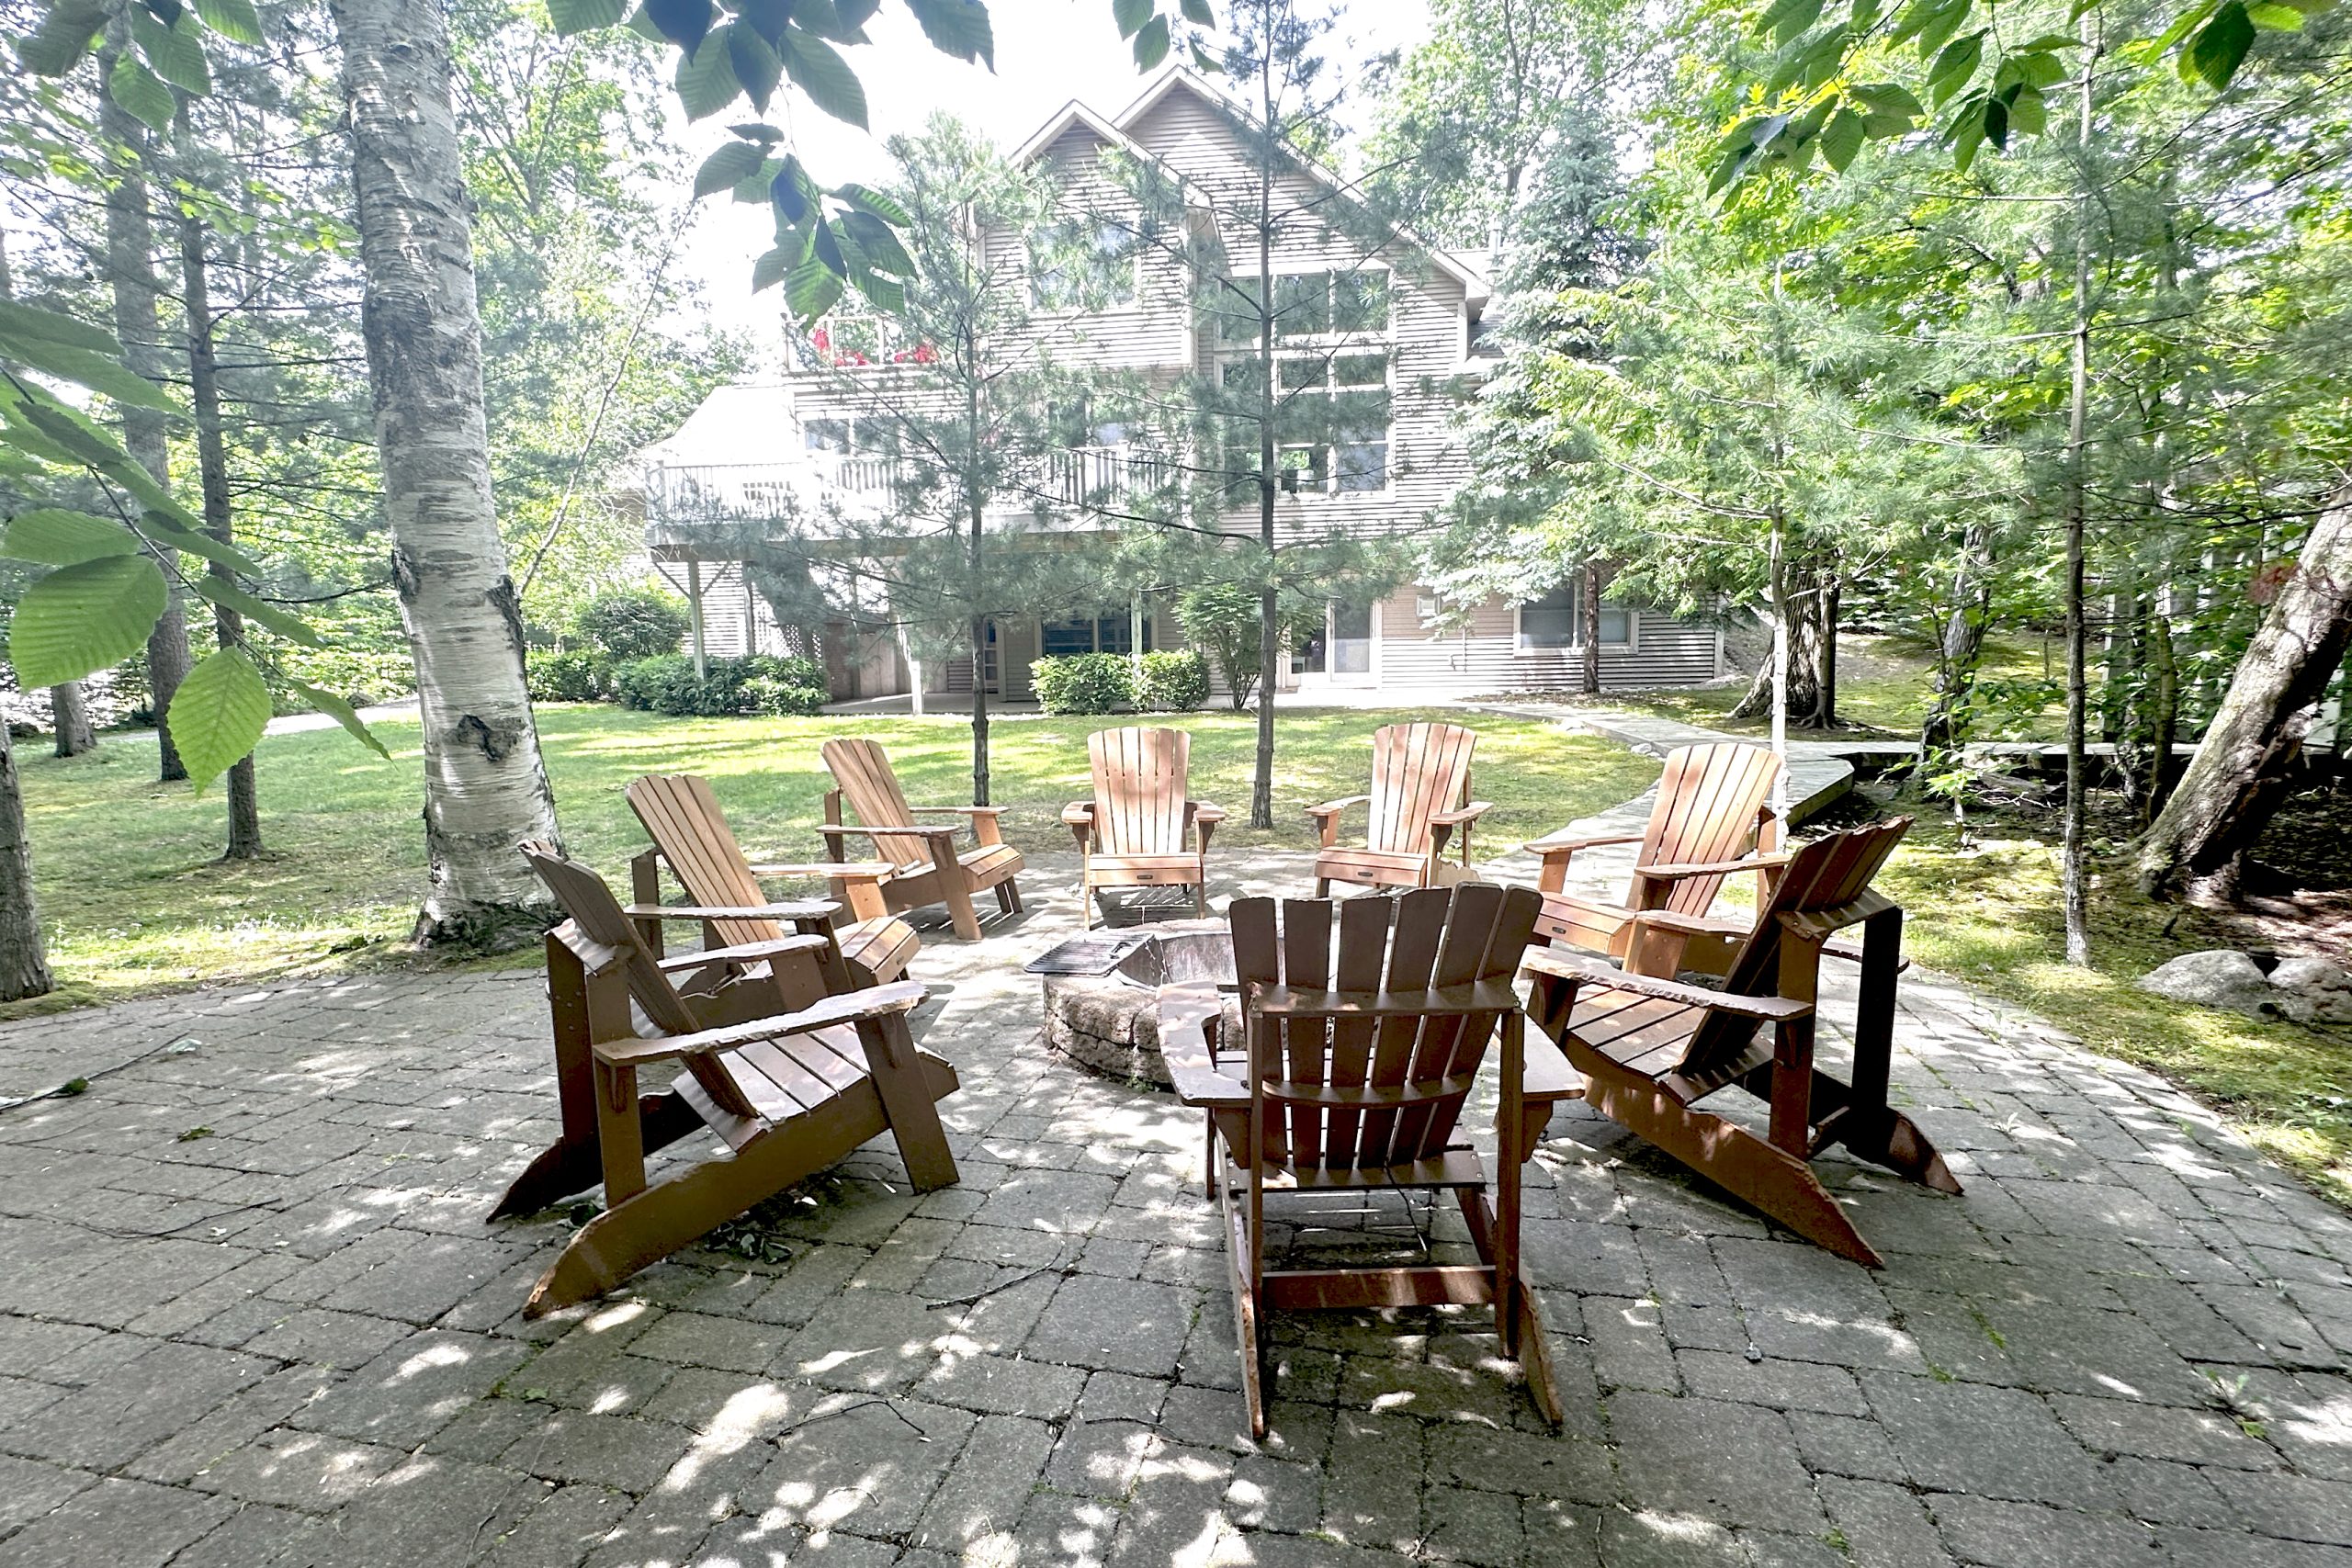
[{"x": 252, "y": 1315}]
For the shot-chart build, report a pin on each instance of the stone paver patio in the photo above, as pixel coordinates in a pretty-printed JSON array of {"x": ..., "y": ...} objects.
[{"x": 250, "y": 1314}]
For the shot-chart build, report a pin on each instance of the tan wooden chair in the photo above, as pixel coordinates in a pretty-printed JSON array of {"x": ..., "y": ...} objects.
[
  {"x": 1712, "y": 820},
  {"x": 681, "y": 815},
  {"x": 1354, "y": 1066},
  {"x": 1133, "y": 833},
  {"x": 1651, "y": 1048},
  {"x": 789, "y": 1094},
  {"x": 929, "y": 869},
  {"x": 1420, "y": 794}
]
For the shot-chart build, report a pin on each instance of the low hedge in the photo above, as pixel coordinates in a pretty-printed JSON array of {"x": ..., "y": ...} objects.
[
  {"x": 1083, "y": 682},
  {"x": 574, "y": 677},
  {"x": 1172, "y": 683},
  {"x": 666, "y": 683}
]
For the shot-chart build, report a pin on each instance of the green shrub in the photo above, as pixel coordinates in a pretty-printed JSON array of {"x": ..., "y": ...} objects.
[
  {"x": 667, "y": 683},
  {"x": 628, "y": 624},
  {"x": 1083, "y": 682},
  {"x": 1172, "y": 683},
  {"x": 566, "y": 677}
]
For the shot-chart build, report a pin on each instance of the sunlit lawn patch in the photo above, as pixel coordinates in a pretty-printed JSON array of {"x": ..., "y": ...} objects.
[{"x": 136, "y": 900}]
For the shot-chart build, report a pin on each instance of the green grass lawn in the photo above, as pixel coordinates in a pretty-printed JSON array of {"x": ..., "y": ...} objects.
[
  {"x": 1990, "y": 915},
  {"x": 1884, "y": 684},
  {"x": 135, "y": 898}
]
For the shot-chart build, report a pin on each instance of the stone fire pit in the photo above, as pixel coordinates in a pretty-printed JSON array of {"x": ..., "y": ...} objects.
[{"x": 1102, "y": 992}]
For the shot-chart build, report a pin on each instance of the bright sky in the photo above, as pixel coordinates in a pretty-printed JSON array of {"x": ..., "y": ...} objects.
[{"x": 1047, "y": 53}]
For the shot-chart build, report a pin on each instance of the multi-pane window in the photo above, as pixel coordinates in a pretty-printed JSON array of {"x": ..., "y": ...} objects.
[
  {"x": 1557, "y": 620},
  {"x": 1331, "y": 412},
  {"x": 1081, "y": 266},
  {"x": 1103, "y": 634},
  {"x": 1307, "y": 305}
]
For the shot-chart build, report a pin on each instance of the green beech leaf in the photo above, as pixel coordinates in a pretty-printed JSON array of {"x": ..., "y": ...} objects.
[
  {"x": 2220, "y": 46},
  {"x": 261, "y": 612},
  {"x": 66, "y": 33},
  {"x": 1953, "y": 67},
  {"x": 818, "y": 69},
  {"x": 100, "y": 372},
  {"x": 1197, "y": 12},
  {"x": 237, "y": 21},
  {"x": 176, "y": 53},
  {"x": 55, "y": 537},
  {"x": 2275, "y": 18},
  {"x": 170, "y": 534},
  {"x": 883, "y": 206},
  {"x": 84, "y": 617},
  {"x": 810, "y": 287},
  {"x": 705, "y": 79},
  {"x": 571, "y": 16},
  {"x": 141, "y": 93},
  {"x": 1787, "y": 19},
  {"x": 29, "y": 323},
  {"x": 880, "y": 243},
  {"x": 1151, "y": 44},
  {"x": 728, "y": 167},
  {"x": 959, "y": 27},
  {"x": 769, "y": 270},
  {"x": 1842, "y": 138},
  {"x": 219, "y": 714},
  {"x": 756, "y": 65},
  {"x": 341, "y": 711},
  {"x": 2029, "y": 112},
  {"x": 1131, "y": 15}
]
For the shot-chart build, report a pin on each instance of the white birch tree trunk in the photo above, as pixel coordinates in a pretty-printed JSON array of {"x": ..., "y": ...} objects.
[
  {"x": 485, "y": 785},
  {"x": 24, "y": 972}
]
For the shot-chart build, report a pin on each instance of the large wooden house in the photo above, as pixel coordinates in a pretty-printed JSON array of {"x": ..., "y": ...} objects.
[{"x": 1386, "y": 328}]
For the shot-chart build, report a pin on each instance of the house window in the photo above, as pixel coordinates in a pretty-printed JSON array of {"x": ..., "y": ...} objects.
[
  {"x": 826, "y": 436},
  {"x": 1557, "y": 620},
  {"x": 1306, "y": 305},
  {"x": 1101, "y": 634},
  {"x": 1082, "y": 267},
  {"x": 1331, "y": 415}
]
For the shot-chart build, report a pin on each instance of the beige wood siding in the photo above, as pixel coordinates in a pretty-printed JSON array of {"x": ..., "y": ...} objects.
[{"x": 1484, "y": 657}]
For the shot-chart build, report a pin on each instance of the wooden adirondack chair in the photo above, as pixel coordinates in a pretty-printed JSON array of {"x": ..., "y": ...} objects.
[
  {"x": 1651, "y": 1048},
  {"x": 1351, "y": 1077},
  {"x": 789, "y": 1094},
  {"x": 681, "y": 815},
  {"x": 1712, "y": 811},
  {"x": 1420, "y": 794},
  {"x": 1132, "y": 833},
  {"x": 929, "y": 869}
]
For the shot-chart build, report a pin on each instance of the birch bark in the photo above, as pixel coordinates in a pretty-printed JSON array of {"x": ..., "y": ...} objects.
[{"x": 485, "y": 783}]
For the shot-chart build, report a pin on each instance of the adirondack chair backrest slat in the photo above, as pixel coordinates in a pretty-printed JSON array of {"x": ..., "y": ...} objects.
[
  {"x": 1429, "y": 937},
  {"x": 1833, "y": 869},
  {"x": 863, "y": 771},
  {"x": 593, "y": 908},
  {"x": 1141, "y": 782},
  {"x": 1417, "y": 770},
  {"x": 1708, "y": 802},
  {"x": 682, "y": 816}
]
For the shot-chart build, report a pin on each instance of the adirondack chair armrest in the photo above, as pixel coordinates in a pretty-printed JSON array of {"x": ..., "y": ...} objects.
[
  {"x": 1078, "y": 814},
  {"x": 835, "y": 831},
  {"x": 743, "y": 952},
  {"x": 1564, "y": 843},
  {"x": 1547, "y": 1076},
  {"x": 1331, "y": 808},
  {"x": 959, "y": 811},
  {"x": 1673, "y": 872},
  {"x": 1817, "y": 924},
  {"x": 1467, "y": 814},
  {"x": 1205, "y": 817},
  {"x": 1587, "y": 975},
  {"x": 1437, "y": 1001},
  {"x": 1691, "y": 925},
  {"x": 851, "y": 1007},
  {"x": 790, "y": 909},
  {"x": 1185, "y": 1014},
  {"x": 847, "y": 870}
]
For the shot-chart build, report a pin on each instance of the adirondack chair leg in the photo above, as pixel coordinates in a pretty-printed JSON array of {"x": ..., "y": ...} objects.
[
  {"x": 1527, "y": 1339},
  {"x": 1877, "y": 1133},
  {"x": 1085, "y": 899},
  {"x": 959, "y": 899},
  {"x": 679, "y": 1210},
  {"x": 914, "y": 1115},
  {"x": 1245, "y": 1314},
  {"x": 572, "y": 1164},
  {"x": 1322, "y": 887},
  {"x": 1768, "y": 1180}
]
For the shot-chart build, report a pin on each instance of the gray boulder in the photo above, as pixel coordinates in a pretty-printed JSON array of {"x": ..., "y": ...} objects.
[
  {"x": 2313, "y": 990},
  {"x": 2222, "y": 977}
]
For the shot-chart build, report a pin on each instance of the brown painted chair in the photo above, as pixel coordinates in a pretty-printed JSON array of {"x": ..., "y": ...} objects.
[
  {"x": 1355, "y": 1063},
  {"x": 681, "y": 815},
  {"x": 788, "y": 1093},
  {"x": 1420, "y": 794},
  {"x": 1132, "y": 833},
  {"x": 1711, "y": 821},
  {"x": 929, "y": 869},
  {"x": 1651, "y": 1048}
]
